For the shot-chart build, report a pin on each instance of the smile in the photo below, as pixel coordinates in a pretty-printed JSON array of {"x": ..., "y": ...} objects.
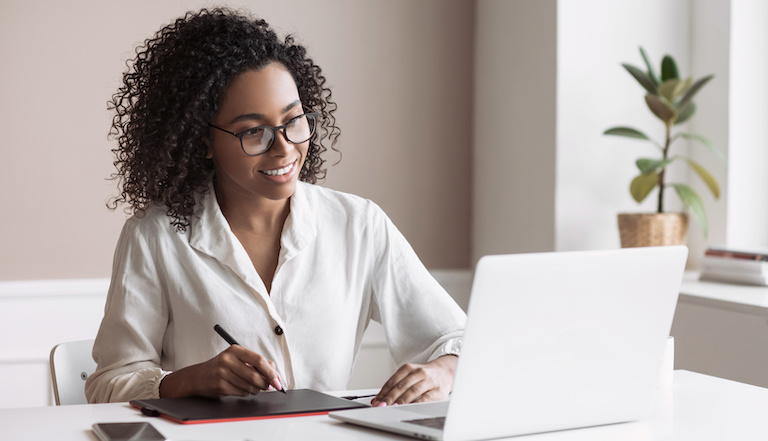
[{"x": 279, "y": 171}]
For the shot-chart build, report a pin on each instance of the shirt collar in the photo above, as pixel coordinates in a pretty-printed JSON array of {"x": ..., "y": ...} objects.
[
  {"x": 300, "y": 227},
  {"x": 210, "y": 233}
]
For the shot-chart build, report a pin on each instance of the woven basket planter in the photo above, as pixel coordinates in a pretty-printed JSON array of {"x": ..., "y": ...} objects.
[{"x": 652, "y": 229}]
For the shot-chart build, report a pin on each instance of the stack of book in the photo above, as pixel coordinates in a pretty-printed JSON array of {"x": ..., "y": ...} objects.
[{"x": 722, "y": 264}]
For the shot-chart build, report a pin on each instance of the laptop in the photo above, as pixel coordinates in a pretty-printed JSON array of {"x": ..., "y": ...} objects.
[{"x": 553, "y": 341}]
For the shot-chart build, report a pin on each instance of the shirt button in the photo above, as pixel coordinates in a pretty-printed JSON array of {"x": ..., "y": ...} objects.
[{"x": 278, "y": 330}]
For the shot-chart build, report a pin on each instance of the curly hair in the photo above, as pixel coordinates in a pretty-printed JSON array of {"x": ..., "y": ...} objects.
[{"x": 172, "y": 90}]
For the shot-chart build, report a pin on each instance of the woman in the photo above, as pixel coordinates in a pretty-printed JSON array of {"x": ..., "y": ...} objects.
[{"x": 220, "y": 127}]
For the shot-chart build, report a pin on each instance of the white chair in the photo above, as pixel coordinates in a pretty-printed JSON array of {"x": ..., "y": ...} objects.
[{"x": 71, "y": 364}]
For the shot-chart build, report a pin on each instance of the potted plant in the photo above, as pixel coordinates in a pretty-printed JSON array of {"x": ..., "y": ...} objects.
[{"x": 670, "y": 99}]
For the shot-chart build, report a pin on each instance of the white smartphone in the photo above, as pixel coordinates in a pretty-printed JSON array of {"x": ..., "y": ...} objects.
[{"x": 127, "y": 432}]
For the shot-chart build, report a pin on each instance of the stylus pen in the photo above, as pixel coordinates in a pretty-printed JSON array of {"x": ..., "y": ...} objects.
[
  {"x": 357, "y": 397},
  {"x": 225, "y": 335}
]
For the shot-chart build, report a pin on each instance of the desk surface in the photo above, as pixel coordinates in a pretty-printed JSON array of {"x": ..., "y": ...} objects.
[
  {"x": 695, "y": 407},
  {"x": 746, "y": 298}
]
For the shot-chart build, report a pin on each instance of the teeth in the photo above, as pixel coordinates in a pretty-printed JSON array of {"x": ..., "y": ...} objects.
[{"x": 279, "y": 171}]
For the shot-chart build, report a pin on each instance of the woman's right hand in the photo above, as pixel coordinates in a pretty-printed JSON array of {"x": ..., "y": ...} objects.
[{"x": 235, "y": 371}]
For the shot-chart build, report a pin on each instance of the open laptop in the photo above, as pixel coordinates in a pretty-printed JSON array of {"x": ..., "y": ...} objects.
[{"x": 553, "y": 341}]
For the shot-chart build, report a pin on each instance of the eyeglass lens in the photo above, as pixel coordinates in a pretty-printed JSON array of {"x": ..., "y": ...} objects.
[{"x": 259, "y": 139}]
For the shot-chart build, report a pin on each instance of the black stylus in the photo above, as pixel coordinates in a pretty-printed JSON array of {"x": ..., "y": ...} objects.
[{"x": 225, "y": 335}]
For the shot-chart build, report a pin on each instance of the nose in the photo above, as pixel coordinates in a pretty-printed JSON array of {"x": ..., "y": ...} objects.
[{"x": 280, "y": 145}]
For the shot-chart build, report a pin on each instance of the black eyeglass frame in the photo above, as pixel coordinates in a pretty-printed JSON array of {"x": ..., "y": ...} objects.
[{"x": 274, "y": 130}]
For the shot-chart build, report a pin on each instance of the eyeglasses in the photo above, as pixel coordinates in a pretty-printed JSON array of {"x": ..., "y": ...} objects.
[{"x": 258, "y": 140}]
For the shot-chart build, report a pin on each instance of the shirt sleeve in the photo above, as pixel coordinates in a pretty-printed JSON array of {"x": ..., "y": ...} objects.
[
  {"x": 421, "y": 320},
  {"x": 128, "y": 346}
]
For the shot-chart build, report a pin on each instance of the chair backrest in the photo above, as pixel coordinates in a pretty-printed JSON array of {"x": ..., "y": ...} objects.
[{"x": 71, "y": 364}]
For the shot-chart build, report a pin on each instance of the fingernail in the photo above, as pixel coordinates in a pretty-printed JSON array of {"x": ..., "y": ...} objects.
[
  {"x": 394, "y": 404},
  {"x": 382, "y": 404},
  {"x": 276, "y": 383}
]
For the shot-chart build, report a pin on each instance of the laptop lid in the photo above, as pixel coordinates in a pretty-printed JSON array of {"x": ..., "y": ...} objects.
[{"x": 558, "y": 341}]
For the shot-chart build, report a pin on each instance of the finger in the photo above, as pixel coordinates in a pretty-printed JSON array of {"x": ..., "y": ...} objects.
[
  {"x": 407, "y": 388},
  {"x": 419, "y": 382},
  {"x": 269, "y": 386},
  {"x": 249, "y": 379},
  {"x": 396, "y": 378},
  {"x": 244, "y": 374},
  {"x": 431, "y": 395},
  {"x": 264, "y": 367},
  {"x": 280, "y": 379},
  {"x": 221, "y": 381},
  {"x": 410, "y": 393},
  {"x": 234, "y": 385},
  {"x": 239, "y": 375}
]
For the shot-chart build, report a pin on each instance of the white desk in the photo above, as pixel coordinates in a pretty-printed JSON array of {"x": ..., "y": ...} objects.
[{"x": 695, "y": 407}]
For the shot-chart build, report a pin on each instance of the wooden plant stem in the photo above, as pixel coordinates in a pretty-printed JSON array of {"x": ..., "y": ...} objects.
[{"x": 667, "y": 142}]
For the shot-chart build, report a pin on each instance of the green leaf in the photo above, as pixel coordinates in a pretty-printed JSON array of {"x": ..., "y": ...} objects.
[
  {"x": 651, "y": 73},
  {"x": 642, "y": 185},
  {"x": 685, "y": 85},
  {"x": 641, "y": 78},
  {"x": 707, "y": 177},
  {"x": 685, "y": 113},
  {"x": 629, "y": 132},
  {"x": 668, "y": 68},
  {"x": 693, "y": 90},
  {"x": 693, "y": 204},
  {"x": 704, "y": 141},
  {"x": 670, "y": 88},
  {"x": 661, "y": 108},
  {"x": 647, "y": 166}
]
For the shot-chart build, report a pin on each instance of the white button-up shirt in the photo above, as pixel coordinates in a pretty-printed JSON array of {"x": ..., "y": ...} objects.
[{"x": 342, "y": 263}]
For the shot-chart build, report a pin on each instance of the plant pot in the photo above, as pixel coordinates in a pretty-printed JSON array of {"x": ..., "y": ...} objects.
[{"x": 652, "y": 229}]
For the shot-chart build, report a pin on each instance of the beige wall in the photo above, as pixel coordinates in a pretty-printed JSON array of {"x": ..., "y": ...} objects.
[
  {"x": 514, "y": 141},
  {"x": 401, "y": 72}
]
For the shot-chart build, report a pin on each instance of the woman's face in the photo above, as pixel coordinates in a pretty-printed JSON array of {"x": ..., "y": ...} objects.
[{"x": 257, "y": 98}]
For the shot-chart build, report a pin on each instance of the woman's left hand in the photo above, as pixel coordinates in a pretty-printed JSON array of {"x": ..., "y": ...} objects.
[{"x": 418, "y": 383}]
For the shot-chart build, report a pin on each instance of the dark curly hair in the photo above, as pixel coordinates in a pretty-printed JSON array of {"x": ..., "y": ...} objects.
[{"x": 172, "y": 90}]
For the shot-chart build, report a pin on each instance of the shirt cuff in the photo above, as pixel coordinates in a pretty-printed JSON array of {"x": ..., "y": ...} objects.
[
  {"x": 450, "y": 347},
  {"x": 158, "y": 380}
]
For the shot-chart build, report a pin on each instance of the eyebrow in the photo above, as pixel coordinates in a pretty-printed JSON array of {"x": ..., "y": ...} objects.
[{"x": 249, "y": 116}]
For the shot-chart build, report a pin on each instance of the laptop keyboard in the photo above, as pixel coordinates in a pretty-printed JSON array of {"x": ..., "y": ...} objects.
[{"x": 433, "y": 422}]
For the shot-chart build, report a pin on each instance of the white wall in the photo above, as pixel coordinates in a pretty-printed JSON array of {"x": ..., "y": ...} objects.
[
  {"x": 548, "y": 82},
  {"x": 64, "y": 310},
  {"x": 710, "y": 54},
  {"x": 595, "y": 93},
  {"x": 748, "y": 117},
  {"x": 521, "y": 203}
]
